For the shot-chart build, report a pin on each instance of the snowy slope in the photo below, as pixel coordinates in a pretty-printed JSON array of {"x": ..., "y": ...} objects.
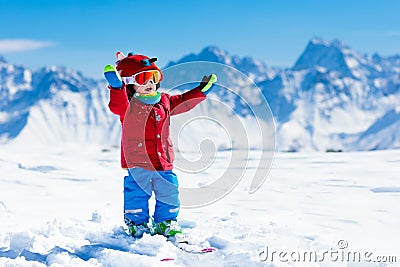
[
  {"x": 62, "y": 206},
  {"x": 383, "y": 133}
]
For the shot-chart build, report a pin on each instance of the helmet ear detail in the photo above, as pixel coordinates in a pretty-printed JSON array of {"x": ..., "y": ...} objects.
[
  {"x": 145, "y": 62},
  {"x": 130, "y": 54},
  {"x": 120, "y": 55}
]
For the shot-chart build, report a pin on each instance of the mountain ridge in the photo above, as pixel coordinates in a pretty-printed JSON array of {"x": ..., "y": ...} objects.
[{"x": 332, "y": 98}]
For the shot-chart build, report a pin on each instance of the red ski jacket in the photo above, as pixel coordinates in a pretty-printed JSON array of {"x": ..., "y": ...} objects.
[{"x": 145, "y": 140}]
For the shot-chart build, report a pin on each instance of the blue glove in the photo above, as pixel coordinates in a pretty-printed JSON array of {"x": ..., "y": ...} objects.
[
  {"x": 112, "y": 77},
  {"x": 206, "y": 84}
]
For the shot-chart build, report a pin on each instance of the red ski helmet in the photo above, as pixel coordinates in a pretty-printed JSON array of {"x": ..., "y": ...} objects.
[{"x": 133, "y": 64}]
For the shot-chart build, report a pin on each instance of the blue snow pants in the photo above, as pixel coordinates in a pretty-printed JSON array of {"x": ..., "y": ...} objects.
[{"x": 138, "y": 187}]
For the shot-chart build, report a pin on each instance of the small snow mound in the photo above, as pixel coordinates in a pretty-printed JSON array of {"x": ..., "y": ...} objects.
[
  {"x": 187, "y": 224},
  {"x": 96, "y": 216},
  {"x": 19, "y": 241},
  {"x": 218, "y": 242}
]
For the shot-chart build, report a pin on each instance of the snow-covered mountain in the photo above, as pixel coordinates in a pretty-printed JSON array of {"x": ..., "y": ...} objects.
[
  {"x": 53, "y": 105},
  {"x": 254, "y": 69},
  {"x": 332, "y": 98}
]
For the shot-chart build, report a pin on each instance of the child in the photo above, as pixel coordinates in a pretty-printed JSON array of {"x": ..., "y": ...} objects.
[{"x": 146, "y": 149}]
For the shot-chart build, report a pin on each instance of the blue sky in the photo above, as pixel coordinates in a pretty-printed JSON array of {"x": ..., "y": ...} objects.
[{"x": 84, "y": 35}]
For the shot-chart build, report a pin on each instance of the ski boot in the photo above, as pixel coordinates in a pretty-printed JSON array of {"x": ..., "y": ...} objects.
[
  {"x": 137, "y": 231},
  {"x": 171, "y": 230}
]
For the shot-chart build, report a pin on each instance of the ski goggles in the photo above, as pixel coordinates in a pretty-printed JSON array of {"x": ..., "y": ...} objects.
[{"x": 143, "y": 77}]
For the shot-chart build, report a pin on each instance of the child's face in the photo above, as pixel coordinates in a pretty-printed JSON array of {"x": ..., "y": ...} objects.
[{"x": 149, "y": 88}]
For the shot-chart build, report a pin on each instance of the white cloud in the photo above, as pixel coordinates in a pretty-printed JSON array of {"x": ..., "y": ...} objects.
[{"x": 19, "y": 45}]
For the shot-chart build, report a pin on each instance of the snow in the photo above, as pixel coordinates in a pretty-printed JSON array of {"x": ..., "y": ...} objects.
[
  {"x": 62, "y": 206},
  {"x": 352, "y": 63},
  {"x": 3, "y": 116}
]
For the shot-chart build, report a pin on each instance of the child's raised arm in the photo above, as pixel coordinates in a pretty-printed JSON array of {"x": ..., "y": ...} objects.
[
  {"x": 118, "y": 102},
  {"x": 190, "y": 99},
  {"x": 118, "y": 98}
]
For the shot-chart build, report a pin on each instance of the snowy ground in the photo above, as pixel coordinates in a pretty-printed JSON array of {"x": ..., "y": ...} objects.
[{"x": 63, "y": 207}]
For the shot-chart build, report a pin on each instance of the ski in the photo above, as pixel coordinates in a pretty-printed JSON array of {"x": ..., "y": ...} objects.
[
  {"x": 189, "y": 248},
  {"x": 167, "y": 259},
  {"x": 192, "y": 248},
  {"x": 181, "y": 242}
]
